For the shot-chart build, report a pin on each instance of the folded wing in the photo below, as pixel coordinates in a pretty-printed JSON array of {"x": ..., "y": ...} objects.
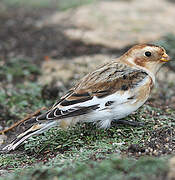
[{"x": 85, "y": 96}]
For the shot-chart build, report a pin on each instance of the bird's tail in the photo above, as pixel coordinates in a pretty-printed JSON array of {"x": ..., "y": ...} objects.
[{"x": 35, "y": 129}]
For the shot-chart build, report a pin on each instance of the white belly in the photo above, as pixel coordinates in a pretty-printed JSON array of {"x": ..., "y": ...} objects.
[{"x": 104, "y": 117}]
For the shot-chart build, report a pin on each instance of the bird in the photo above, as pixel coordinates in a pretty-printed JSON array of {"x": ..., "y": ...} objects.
[{"x": 109, "y": 93}]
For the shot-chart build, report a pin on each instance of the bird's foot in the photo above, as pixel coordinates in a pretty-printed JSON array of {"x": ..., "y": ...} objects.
[{"x": 130, "y": 123}]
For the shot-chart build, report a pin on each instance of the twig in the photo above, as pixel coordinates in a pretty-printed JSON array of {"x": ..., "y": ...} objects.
[{"x": 21, "y": 121}]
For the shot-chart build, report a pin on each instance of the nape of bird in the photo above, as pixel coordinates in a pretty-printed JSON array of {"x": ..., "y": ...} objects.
[{"x": 107, "y": 94}]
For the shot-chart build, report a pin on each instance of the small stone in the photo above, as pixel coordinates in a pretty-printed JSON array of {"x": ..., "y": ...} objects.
[
  {"x": 146, "y": 151},
  {"x": 3, "y": 138},
  {"x": 150, "y": 149},
  {"x": 156, "y": 126},
  {"x": 167, "y": 139},
  {"x": 3, "y": 172},
  {"x": 166, "y": 146},
  {"x": 118, "y": 144},
  {"x": 155, "y": 152},
  {"x": 59, "y": 146},
  {"x": 157, "y": 146}
]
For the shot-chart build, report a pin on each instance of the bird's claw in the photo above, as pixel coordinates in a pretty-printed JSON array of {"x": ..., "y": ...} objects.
[{"x": 130, "y": 123}]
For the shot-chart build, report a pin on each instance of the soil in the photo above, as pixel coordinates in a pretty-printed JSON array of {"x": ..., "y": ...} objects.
[{"x": 21, "y": 36}]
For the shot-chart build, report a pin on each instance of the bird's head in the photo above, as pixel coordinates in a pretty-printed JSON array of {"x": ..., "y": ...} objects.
[{"x": 146, "y": 56}]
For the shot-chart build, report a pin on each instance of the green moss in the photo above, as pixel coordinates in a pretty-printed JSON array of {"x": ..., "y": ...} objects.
[
  {"x": 16, "y": 70},
  {"x": 112, "y": 168},
  {"x": 87, "y": 136},
  {"x": 15, "y": 161}
]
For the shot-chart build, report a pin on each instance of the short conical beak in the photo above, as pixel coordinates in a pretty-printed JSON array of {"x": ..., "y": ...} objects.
[{"x": 165, "y": 58}]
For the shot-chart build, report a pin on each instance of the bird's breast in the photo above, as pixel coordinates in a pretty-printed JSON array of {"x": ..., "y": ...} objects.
[{"x": 143, "y": 90}]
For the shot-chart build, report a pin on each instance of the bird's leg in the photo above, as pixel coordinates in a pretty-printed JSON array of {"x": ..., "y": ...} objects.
[{"x": 130, "y": 123}]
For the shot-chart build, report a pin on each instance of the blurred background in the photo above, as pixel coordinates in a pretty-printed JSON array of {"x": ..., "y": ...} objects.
[
  {"x": 56, "y": 42},
  {"x": 70, "y": 28}
]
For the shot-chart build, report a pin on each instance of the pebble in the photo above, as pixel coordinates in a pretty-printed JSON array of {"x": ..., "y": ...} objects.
[
  {"x": 139, "y": 153},
  {"x": 118, "y": 144},
  {"x": 155, "y": 153},
  {"x": 3, "y": 172},
  {"x": 167, "y": 139},
  {"x": 3, "y": 138},
  {"x": 166, "y": 146},
  {"x": 156, "y": 126},
  {"x": 150, "y": 149},
  {"x": 157, "y": 146},
  {"x": 146, "y": 150}
]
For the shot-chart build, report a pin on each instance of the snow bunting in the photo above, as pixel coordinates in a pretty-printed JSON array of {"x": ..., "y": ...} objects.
[{"x": 109, "y": 93}]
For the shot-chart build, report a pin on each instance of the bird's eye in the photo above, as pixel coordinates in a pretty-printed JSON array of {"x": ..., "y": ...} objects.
[{"x": 147, "y": 53}]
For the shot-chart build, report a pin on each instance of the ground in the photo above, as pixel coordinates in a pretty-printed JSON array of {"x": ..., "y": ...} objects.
[{"x": 45, "y": 48}]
